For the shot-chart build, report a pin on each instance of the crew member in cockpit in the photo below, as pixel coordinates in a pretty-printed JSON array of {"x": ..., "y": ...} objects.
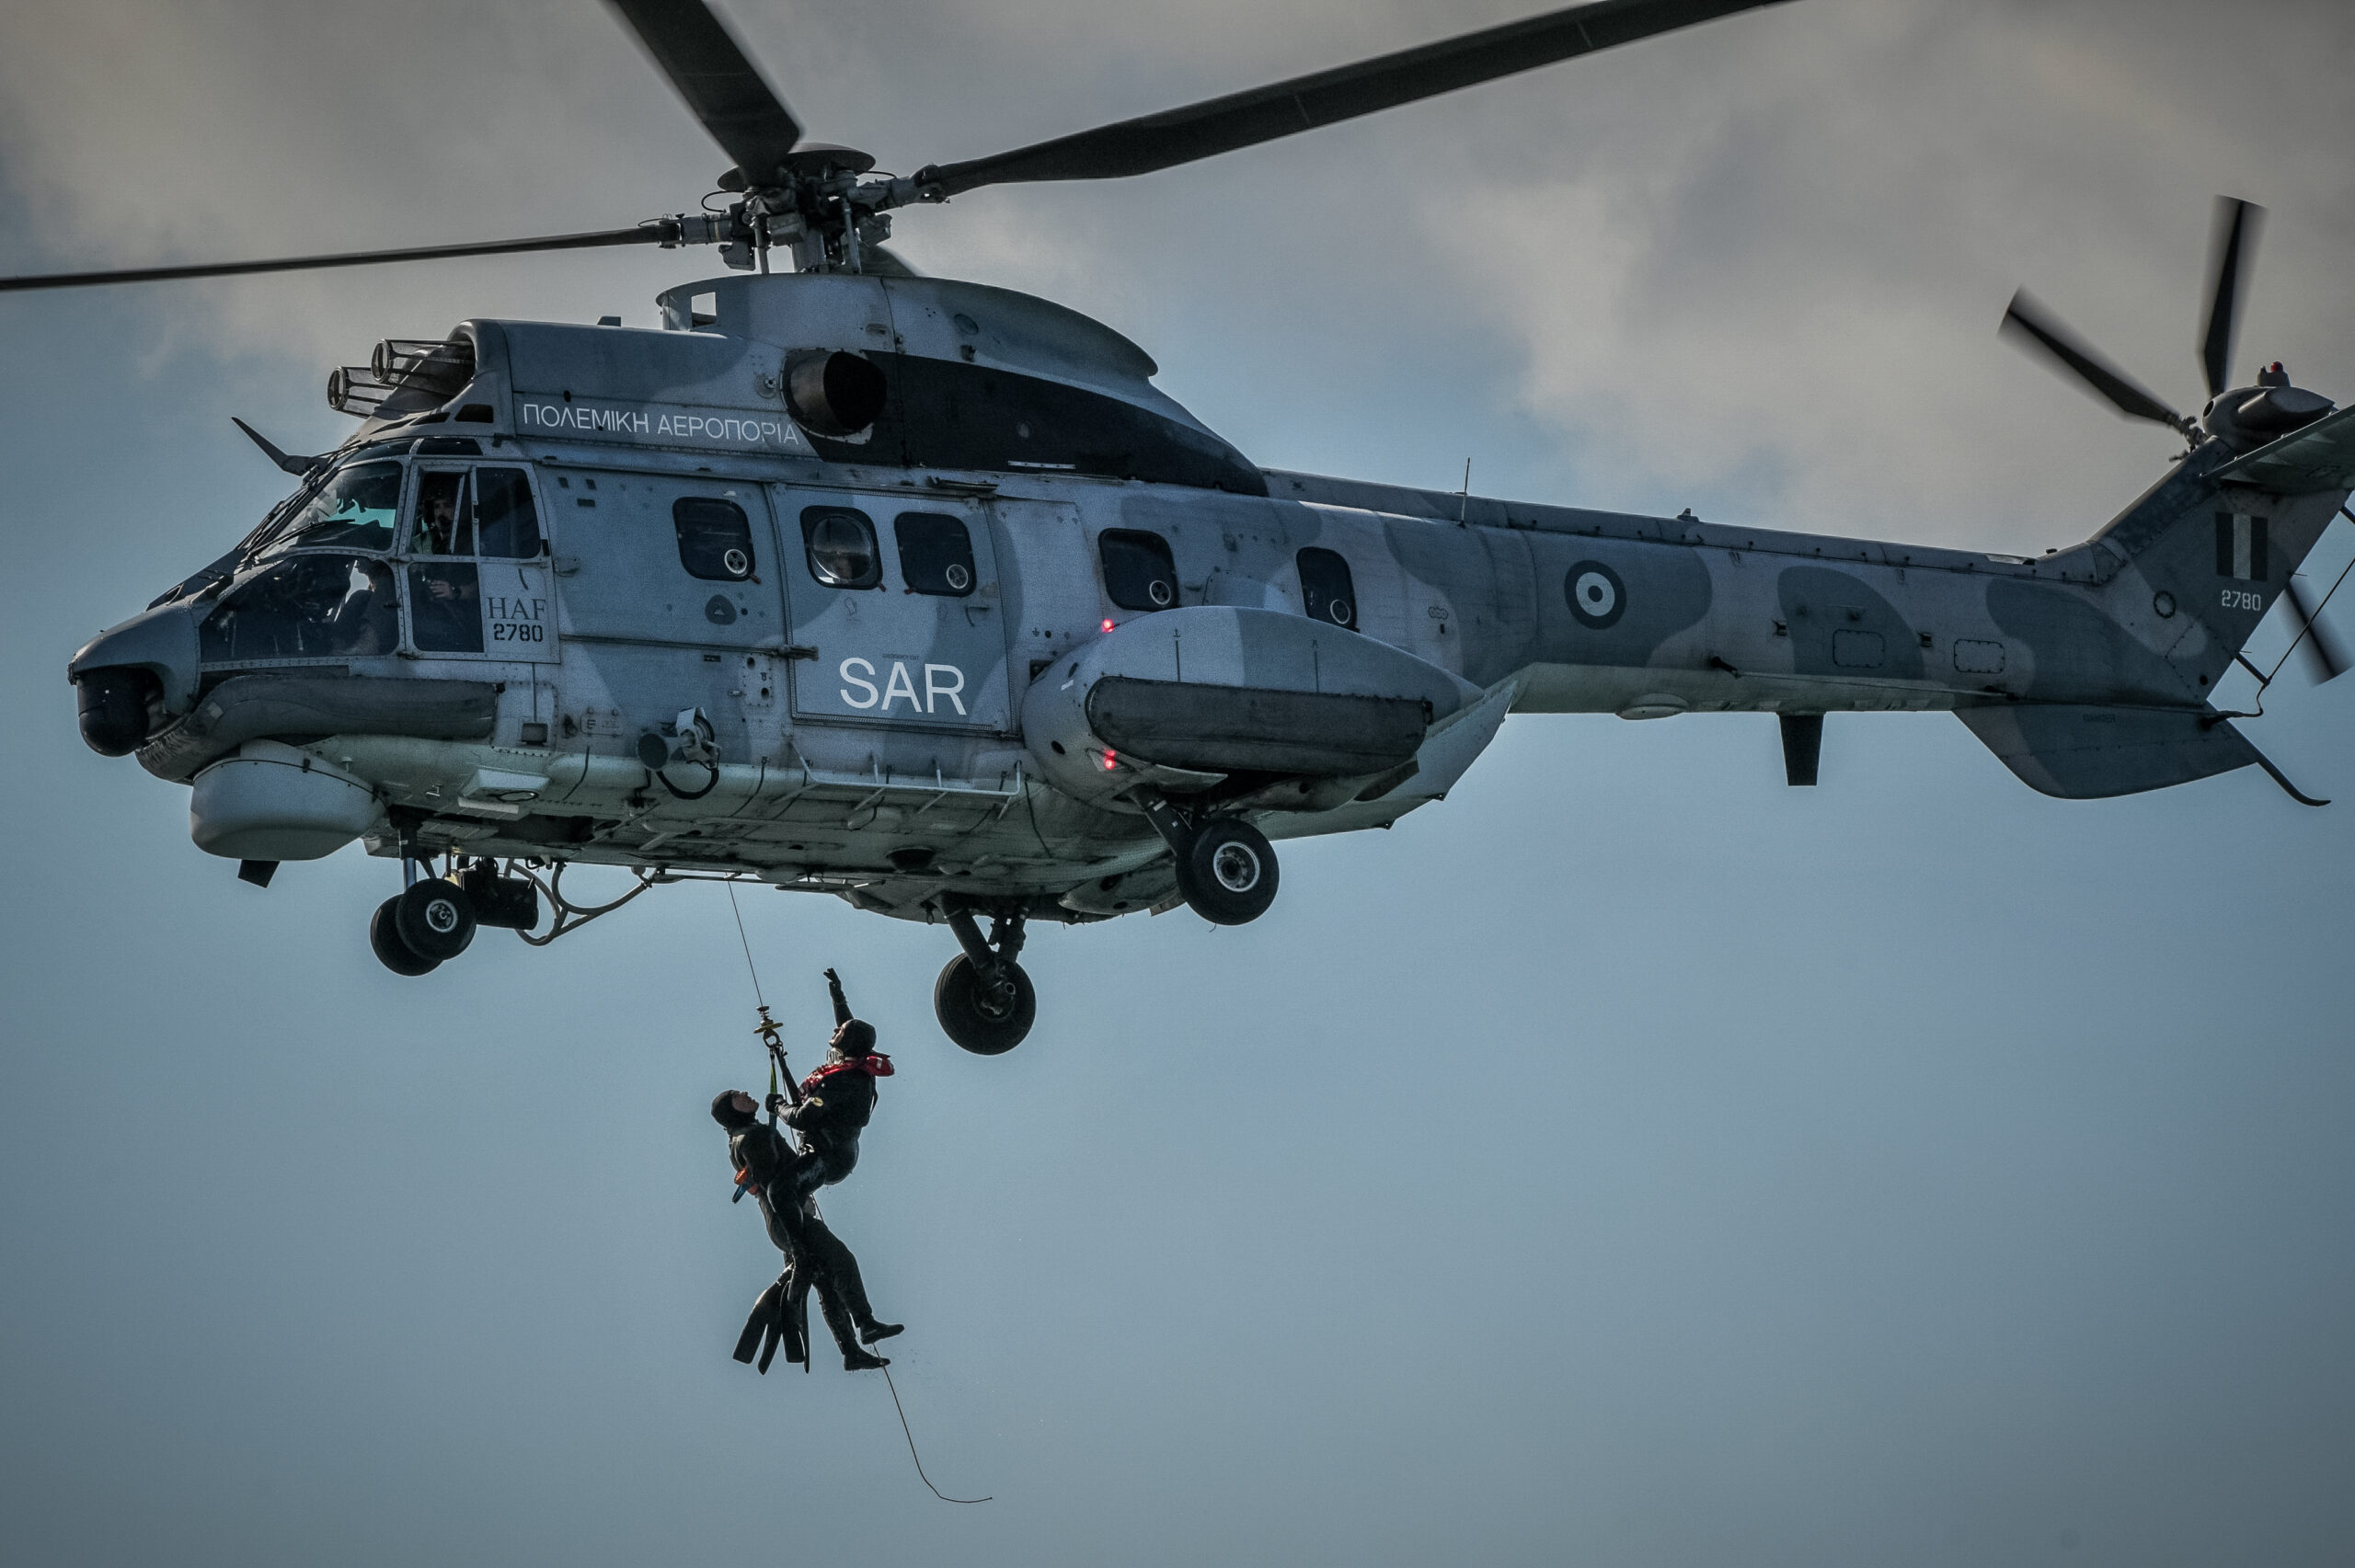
[
  {"x": 445, "y": 599},
  {"x": 366, "y": 620},
  {"x": 437, "y": 514}
]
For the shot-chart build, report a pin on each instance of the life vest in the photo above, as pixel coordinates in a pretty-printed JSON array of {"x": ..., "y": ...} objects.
[{"x": 875, "y": 1065}]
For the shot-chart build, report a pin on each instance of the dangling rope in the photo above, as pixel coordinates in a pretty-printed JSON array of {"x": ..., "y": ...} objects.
[
  {"x": 768, "y": 1030},
  {"x": 911, "y": 1446}
]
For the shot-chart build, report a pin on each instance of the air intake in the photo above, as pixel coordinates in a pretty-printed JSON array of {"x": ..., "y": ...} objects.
[{"x": 402, "y": 375}]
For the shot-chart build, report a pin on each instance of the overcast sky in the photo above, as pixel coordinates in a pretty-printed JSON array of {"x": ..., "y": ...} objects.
[{"x": 1629, "y": 1161}]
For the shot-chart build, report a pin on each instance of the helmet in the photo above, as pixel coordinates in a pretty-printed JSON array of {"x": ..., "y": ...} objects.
[
  {"x": 855, "y": 1037},
  {"x": 725, "y": 1110}
]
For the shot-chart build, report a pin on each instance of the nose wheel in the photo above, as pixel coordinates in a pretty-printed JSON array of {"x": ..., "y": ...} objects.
[
  {"x": 416, "y": 932},
  {"x": 433, "y": 919},
  {"x": 384, "y": 937},
  {"x": 982, "y": 999}
]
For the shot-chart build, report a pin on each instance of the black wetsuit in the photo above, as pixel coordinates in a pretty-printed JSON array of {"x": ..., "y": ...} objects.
[
  {"x": 836, "y": 1102},
  {"x": 815, "y": 1256}
]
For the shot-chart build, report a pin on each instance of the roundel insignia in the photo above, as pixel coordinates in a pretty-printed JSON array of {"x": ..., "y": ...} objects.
[{"x": 1597, "y": 596}]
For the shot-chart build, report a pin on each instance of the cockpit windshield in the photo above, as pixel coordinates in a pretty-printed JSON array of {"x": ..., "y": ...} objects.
[
  {"x": 309, "y": 607},
  {"x": 354, "y": 510}
]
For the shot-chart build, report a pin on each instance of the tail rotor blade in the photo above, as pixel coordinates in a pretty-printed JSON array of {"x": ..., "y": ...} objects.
[
  {"x": 2232, "y": 246},
  {"x": 2027, "y": 318},
  {"x": 2327, "y": 657}
]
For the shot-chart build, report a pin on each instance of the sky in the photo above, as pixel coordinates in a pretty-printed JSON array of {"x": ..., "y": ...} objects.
[{"x": 1629, "y": 1161}]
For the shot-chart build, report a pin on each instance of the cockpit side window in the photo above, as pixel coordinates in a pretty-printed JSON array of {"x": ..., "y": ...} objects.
[
  {"x": 353, "y": 509},
  {"x": 506, "y": 523},
  {"x": 1139, "y": 572},
  {"x": 445, "y": 606},
  {"x": 1324, "y": 587},
  {"x": 442, "y": 523},
  {"x": 309, "y": 607}
]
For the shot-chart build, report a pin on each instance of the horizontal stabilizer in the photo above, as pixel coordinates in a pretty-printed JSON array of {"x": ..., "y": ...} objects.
[
  {"x": 2084, "y": 753},
  {"x": 2320, "y": 457}
]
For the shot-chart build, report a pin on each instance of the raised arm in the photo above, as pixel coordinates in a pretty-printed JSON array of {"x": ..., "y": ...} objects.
[{"x": 842, "y": 1003}]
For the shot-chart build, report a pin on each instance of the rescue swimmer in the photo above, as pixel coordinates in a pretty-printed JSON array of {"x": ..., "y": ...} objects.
[{"x": 829, "y": 1110}]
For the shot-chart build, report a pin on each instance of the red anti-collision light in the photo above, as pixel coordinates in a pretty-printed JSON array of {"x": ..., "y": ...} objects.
[
  {"x": 1111, "y": 758},
  {"x": 1109, "y": 623}
]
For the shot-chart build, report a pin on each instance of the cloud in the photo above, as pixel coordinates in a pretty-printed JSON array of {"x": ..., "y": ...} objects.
[{"x": 1754, "y": 268}]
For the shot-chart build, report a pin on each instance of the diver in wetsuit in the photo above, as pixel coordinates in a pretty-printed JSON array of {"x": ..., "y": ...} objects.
[
  {"x": 834, "y": 1104},
  {"x": 837, "y": 1100}
]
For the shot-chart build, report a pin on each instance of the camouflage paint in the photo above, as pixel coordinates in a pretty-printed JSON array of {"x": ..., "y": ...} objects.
[{"x": 2086, "y": 671}]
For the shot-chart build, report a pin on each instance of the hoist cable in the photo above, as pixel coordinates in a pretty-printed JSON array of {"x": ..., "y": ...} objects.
[
  {"x": 748, "y": 948},
  {"x": 911, "y": 1446},
  {"x": 754, "y": 969}
]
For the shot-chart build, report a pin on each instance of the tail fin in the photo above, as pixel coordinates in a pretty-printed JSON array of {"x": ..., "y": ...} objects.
[
  {"x": 2193, "y": 566},
  {"x": 2186, "y": 575}
]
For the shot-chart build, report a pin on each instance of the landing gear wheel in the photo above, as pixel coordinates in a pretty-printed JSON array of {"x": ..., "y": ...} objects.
[
  {"x": 1228, "y": 872},
  {"x": 435, "y": 919},
  {"x": 385, "y": 936},
  {"x": 987, "y": 1019}
]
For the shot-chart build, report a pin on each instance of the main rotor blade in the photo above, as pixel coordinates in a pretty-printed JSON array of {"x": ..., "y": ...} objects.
[
  {"x": 718, "y": 81},
  {"x": 1242, "y": 120},
  {"x": 2130, "y": 397},
  {"x": 647, "y": 233},
  {"x": 2232, "y": 246},
  {"x": 881, "y": 262}
]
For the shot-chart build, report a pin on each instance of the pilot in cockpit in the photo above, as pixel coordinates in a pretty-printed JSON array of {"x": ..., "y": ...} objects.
[{"x": 438, "y": 515}]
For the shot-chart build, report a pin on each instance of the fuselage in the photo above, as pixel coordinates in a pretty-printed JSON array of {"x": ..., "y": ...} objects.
[{"x": 602, "y": 535}]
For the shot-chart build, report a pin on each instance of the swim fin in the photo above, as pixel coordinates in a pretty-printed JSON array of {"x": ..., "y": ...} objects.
[{"x": 764, "y": 1313}]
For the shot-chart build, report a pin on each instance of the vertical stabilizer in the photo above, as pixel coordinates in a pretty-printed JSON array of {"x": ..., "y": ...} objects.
[{"x": 2200, "y": 558}]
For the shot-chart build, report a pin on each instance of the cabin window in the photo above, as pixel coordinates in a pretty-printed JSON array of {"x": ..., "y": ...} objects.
[
  {"x": 1325, "y": 588},
  {"x": 714, "y": 538},
  {"x": 935, "y": 553},
  {"x": 353, "y": 510},
  {"x": 445, "y": 607},
  {"x": 841, "y": 547},
  {"x": 506, "y": 523},
  {"x": 1139, "y": 572},
  {"x": 309, "y": 607}
]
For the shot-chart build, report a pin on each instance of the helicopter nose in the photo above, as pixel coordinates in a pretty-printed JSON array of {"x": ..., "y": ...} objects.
[
  {"x": 116, "y": 704},
  {"x": 130, "y": 677}
]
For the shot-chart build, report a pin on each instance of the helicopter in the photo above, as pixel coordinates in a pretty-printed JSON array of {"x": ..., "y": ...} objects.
[{"x": 920, "y": 593}]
